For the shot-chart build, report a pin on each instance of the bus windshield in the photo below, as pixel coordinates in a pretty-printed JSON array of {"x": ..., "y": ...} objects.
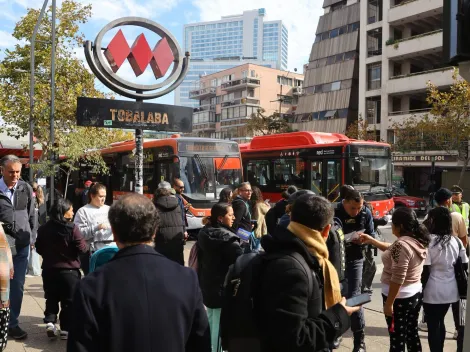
[
  {"x": 369, "y": 172},
  {"x": 204, "y": 177}
]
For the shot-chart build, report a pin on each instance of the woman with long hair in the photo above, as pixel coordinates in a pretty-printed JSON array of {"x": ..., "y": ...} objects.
[
  {"x": 403, "y": 263},
  {"x": 60, "y": 244},
  {"x": 440, "y": 284},
  {"x": 219, "y": 247},
  {"x": 260, "y": 209},
  {"x": 92, "y": 220},
  {"x": 226, "y": 195}
]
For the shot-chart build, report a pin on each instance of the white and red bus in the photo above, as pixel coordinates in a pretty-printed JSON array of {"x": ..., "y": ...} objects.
[{"x": 321, "y": 162}]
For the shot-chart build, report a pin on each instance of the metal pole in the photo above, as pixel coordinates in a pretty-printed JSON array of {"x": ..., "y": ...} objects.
[
  {"x": 31, "y": 92},
  {"x": 139, "y": 158},
  {"x": 280, "y": 99},
  {"x": 51, "y": 121}
]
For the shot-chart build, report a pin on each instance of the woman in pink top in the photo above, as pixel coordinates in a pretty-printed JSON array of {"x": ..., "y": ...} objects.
[{"x": 403, "y": 263}]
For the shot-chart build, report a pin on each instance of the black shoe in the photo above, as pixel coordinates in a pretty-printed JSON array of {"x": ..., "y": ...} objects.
[
  {"x": 17, "y": 333},
  {"x": 359, "y": 342},
  {"x": 336, "y": 343}
]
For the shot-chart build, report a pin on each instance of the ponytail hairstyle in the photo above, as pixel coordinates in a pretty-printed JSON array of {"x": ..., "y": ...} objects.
[
  {"x": 439, "y": 223},
  {"x": 406, "y": 221},
  {"x": 94, "y": 189},
  {"x": 218, "y": 210}
]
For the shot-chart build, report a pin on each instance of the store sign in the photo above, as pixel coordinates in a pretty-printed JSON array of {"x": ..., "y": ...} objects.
[
  {"x": 110, "y": 113},
  {"x": 424, "y": 158}
]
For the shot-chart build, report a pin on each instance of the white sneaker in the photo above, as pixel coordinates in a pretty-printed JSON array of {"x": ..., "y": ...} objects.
[
  {"x": 52, "y": 331},
  {"x": 423, "y": 327},
  {"x": 64, "y": 335},
  {"x": 456, "y": 335}
]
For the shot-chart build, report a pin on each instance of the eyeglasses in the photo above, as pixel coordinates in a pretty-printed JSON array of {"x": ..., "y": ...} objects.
[{"x": 246, "y": 190}]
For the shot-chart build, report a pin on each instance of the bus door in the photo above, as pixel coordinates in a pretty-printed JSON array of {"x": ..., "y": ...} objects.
[{"x": 325, "y": 177}]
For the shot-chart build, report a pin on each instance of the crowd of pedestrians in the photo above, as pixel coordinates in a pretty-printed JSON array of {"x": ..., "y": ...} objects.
[{"x": 268, "y": 278}]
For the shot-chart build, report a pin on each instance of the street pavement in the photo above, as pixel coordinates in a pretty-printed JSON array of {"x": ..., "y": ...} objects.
[{"x": 377, "y": 339}]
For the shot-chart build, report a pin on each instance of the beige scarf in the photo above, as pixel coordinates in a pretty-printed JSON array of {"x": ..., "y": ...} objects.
[{"x": 317, "y": 246}]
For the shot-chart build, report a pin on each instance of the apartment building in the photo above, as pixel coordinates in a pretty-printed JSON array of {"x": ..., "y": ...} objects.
[
  {"x": 227, "y": 99},
  {"x": 400, "y": 51},
  {"x": 229, "y": 42},
  {"x": 330, "y": 98}
]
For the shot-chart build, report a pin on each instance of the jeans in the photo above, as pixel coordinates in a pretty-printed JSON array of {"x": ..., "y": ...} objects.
[
  {"x": 354, "y": 279},
  {"x": 59, "y": 285},
  {"x": 435, "y": 314},
  {"x": 405, "y": 324},
  {"x": 34, "y": 266},
  {"x": 20, "y": 265}
]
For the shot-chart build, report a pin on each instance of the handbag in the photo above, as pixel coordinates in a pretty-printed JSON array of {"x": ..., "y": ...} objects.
[{"x": 461, "y": 274}]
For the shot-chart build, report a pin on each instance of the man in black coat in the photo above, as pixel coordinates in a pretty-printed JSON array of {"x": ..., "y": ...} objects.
[
  {"x": 242, "y": 208},
  {"x": 140, "y": 300},
  {"x": 290, "y": 317}
]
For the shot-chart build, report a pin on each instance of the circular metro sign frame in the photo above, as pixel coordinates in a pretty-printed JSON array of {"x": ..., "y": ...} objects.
[{"x": 98, "y": 62}]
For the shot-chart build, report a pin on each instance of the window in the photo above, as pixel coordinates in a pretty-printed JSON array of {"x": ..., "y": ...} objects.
[
  {"x": 334, "y": 33},
  {"x": 333, "y": 179},
  {"x": 244, "y": 74},
  {"x": 343, "y": 30},
  {"x": 317, "y": 177},
  {"x": 259, "y": 172},
  {"x": 353, "y": 27},
  {"x": 346, "y": 84},
  {"x": 373, "y": 106},
  {"x": 325, "y": 35},
  {"x": 339, "y": 57},
  {"x": 374, "y": 42},
  {"x": 290, "y": 171},
  {"x": 374, "y": 11},
  {"x": 374, "y": 76},
  {"x": 396, "y": 104},
  {"x": 214, "y": 83},
  {"x": 330, "y": 60},
  {"x": 253, "y": 73},
  {"x": 350, "y": 55},
  {"x": 336, "y": 85}
]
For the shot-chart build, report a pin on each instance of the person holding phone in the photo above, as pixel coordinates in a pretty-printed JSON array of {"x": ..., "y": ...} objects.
[{"x": 403, "y": 263}]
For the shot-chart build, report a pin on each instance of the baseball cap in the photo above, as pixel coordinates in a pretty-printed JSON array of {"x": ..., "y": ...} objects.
[
  {"x": 456, "y": 189},
  {"x": 88, "y": 183},
  {"x": 294, "y": 196},
  {"x": 442, "y": 195}
]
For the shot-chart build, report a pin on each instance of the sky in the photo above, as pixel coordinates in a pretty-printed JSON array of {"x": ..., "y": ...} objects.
[{"x": 300, "y": 17}]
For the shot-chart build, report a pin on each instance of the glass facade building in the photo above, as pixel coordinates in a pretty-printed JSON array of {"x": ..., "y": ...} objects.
[{"x": 231, "y": 41}]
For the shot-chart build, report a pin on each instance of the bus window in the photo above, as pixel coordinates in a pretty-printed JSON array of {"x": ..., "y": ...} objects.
[
  {"x": 316, "y": 177},
  {"x": 290, "y": 171},
  {"x": 258, "y": 172},
  {"x": 333, "y": 172}
]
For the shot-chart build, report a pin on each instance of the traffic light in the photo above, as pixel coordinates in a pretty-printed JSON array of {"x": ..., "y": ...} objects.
[{"x": 456, "y": 33}]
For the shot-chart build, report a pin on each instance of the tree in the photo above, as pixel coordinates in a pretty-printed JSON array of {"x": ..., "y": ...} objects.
[
  {"x": 261, "y": 124},
  {"x": 360, "y": 130},
  {"x": 445, "y": 128},
  {"x": 72, "y": 80}
]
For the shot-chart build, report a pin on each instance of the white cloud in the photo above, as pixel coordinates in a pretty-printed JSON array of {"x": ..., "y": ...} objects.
[
  {"x": 7, "y": 40},
  {"x": 299, "y": 16}
]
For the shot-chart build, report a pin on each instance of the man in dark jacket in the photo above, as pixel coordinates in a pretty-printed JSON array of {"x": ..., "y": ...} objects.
[
  {"x": 355, "y": 217},
  {"x": 17, "y": 212},
  {"x": 290, "y": 317},
  {"x": 275, "y": 213},
  {"x": 169, "y": 240},
  {"x": 242, "y": 208},
  {"x": 140, "y": 300}
]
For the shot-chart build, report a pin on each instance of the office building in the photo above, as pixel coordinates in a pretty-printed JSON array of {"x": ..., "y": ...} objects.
[
  {"x": 401, "y": 50},
  {"x": 330, "y": 98},
  {"x": 231, "y": 41},
  {"x": 227, "y": 99}
]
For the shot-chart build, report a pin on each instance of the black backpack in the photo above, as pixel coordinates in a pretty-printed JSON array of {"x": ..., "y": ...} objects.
[{"x": 238, "y": 322}]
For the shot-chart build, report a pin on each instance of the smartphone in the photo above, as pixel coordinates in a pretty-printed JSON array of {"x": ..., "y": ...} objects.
[{"x": 358, "y": 300}]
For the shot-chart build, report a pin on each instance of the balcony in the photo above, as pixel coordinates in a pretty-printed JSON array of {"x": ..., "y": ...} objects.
[
  {"x": 398, "y": 117},
  {"x": 297, "y": 91},
  {"x": 202, "y": 93},
  {"x": 204, "y": 126},
  {"x": 204, "y": 108},
  {"x": 241, "y": 101},
  {"x": 204, "y": 120},
  {"x": 240, "y": 84},
  {"x": 418, "y": 45},
  {"x": 413, "y": 10},
  {"x": 416, "y": 82}
]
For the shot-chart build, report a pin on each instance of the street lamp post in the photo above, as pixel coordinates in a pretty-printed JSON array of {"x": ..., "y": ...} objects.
[
  {"x": 51, "y": 121},
  {"x": 31, "y": 92}
]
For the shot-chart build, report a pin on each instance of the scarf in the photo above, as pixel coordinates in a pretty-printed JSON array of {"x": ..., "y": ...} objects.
[{"x": 316, "y": 246}]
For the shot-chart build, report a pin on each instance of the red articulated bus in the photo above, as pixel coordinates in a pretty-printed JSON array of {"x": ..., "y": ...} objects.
[
  {"x": 321, "y": 162},
  {"x": 204, "y": 165}
]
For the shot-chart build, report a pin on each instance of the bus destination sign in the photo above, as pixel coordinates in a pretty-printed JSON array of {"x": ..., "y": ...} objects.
[
  {"x": 110, "y": 113},
  {"x": 207, "y": 147}
]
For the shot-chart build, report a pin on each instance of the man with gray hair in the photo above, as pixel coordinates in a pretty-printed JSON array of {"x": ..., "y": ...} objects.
[{"x": 17, "y": 212}]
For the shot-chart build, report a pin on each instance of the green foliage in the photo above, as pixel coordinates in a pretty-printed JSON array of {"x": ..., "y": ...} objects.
[
  {"x": 72, "y": 80},
  {"x": 262, "y": 125},
  {"x": 361, "y": 130}
]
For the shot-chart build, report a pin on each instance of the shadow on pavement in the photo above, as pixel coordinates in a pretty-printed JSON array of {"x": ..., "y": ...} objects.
[{"x": 376, "y": 331}]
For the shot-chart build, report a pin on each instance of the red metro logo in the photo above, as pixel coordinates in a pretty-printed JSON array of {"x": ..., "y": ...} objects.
[{"x": 106, "y": 64}]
